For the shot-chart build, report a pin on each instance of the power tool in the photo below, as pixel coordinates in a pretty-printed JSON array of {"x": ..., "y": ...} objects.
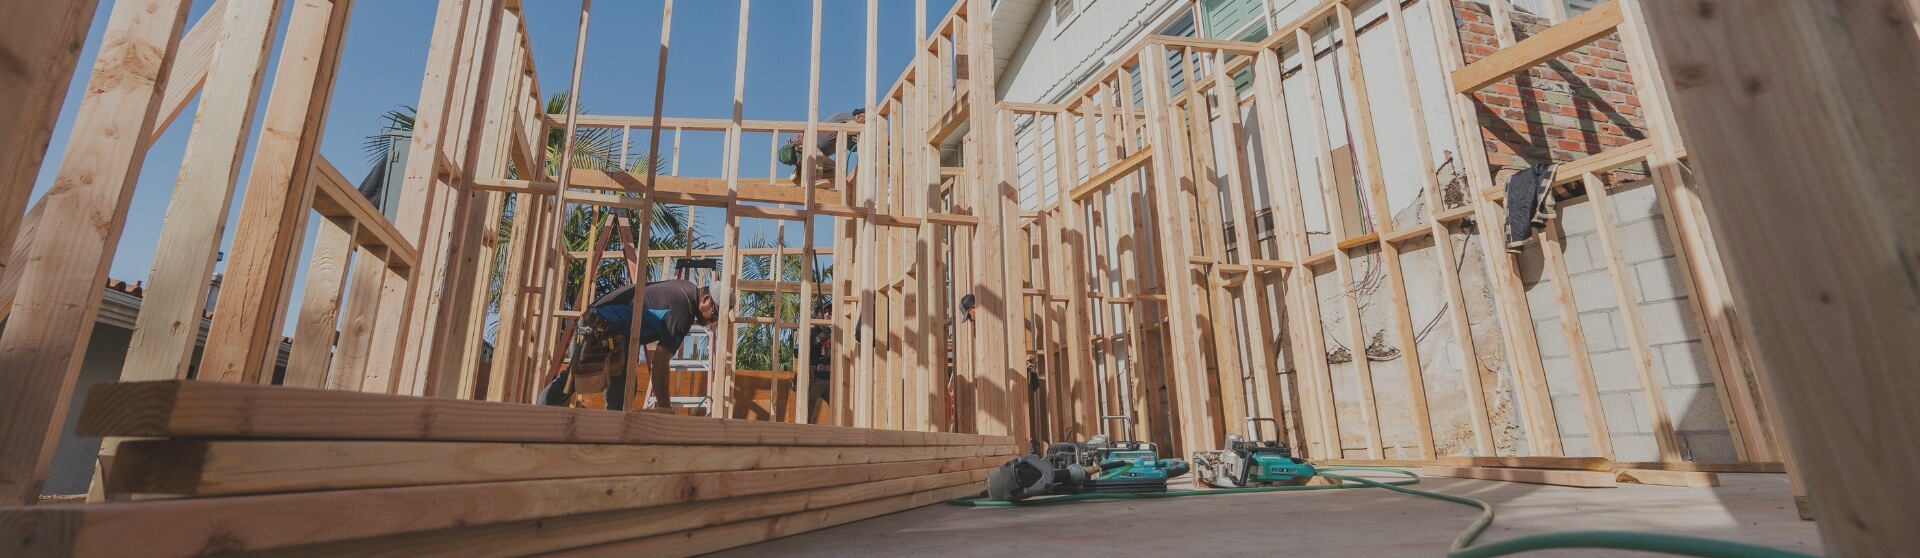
[
  {"x": 1252, "y": 463},
  {"x": 1098, "y": 465}
]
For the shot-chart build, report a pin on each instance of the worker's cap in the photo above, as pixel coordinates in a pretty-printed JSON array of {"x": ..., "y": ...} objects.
[
  {"x": 966, "y": 304},
  {"x": 719, "y": 300},
  {"x": 859, "y": 111}
]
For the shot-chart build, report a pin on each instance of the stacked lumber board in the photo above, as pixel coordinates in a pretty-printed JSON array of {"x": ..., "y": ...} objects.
[
  {"x": 1583, "y": 472},
  {"x": 221, "y": 468}
]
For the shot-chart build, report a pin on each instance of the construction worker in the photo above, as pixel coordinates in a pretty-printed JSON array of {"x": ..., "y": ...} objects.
[
  {"x": 673, "y": 307},
  {"x": 828, "y": 144},
  {"x": 820, "y": 342}
]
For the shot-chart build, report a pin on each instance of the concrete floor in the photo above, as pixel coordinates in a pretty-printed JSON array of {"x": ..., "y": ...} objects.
[{"x": 1751, "y": 508}]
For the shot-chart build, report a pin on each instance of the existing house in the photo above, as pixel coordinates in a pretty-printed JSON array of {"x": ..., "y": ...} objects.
[{"x": 73, "y": 462}]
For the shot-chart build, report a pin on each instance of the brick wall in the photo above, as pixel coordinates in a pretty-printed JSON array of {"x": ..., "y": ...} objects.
[{"x": 1579, "y": 104}]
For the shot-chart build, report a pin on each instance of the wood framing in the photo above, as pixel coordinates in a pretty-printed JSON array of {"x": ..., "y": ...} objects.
[{"x": 1300, "y": 238}]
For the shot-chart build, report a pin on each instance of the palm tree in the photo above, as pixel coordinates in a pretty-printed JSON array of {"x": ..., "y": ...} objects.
[
  {"x": 594, "y": 149},
  {"x": 756, "y": 341}
]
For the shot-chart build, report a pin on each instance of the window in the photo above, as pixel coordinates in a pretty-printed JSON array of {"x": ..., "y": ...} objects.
[{"x": 1062, "y": 11}]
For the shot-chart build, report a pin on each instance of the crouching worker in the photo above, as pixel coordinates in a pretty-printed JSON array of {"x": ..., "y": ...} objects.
[
  {"x": 826, "y": 144},
  {"x": 672, "y": 308}
]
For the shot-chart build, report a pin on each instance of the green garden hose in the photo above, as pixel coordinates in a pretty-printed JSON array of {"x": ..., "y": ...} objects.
[{"x": 1461, "y": 548}]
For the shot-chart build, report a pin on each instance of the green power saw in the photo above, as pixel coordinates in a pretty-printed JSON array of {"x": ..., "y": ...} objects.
[
  {"x": 1096, "y": 466},
  {"x": 1252, "y": 463}
]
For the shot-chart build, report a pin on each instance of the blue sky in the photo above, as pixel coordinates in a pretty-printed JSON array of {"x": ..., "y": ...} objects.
[{"x": 386, "y": 52}]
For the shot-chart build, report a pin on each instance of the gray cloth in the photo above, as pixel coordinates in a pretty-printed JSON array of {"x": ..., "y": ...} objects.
[
  {"x": 1529, "y": 204},
  {"x": 830, "y": 142}
]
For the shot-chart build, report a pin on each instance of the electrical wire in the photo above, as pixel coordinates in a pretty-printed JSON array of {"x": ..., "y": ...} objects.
[{"x": 1462, "y": 546}]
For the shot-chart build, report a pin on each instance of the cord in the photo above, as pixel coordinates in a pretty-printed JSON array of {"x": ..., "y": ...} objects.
[{"x": 1462, "y": 546}]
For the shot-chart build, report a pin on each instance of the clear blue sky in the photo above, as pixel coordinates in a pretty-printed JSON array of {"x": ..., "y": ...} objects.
[{"x": 386, "y": 53}]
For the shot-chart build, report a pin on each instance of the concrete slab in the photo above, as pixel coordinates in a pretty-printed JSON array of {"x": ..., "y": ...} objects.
[{"x": 1751, "y": 508}]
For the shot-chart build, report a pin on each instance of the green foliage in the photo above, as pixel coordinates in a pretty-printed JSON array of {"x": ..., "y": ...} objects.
[
  {"x": 756, "y": 341},
  {"x": 594, "y": 149}
]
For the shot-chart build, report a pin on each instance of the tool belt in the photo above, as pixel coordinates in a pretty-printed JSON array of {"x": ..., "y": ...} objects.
[{"x": 602, "y": 355}]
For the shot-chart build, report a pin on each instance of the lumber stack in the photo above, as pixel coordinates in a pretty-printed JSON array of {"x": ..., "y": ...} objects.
[
  {"x": 1581, "y": 472},
  {"x": 1587, "y": 472},
  {"x": 220, "y": 468}
]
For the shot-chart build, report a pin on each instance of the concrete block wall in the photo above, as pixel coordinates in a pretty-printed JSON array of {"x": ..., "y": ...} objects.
[
  {"x": 1672, "y": 334},
  {"x": 1578, "y": 104}
]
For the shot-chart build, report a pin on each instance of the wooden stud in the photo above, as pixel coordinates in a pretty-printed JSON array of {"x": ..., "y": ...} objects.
[
  {"x": 315, "y": 331},
  {"x": 724, "y": 340},
  {"x": 638, "y": 263},
  {"x": 171, "y": 312},
  {"x": 1522, "y": 349},
  {"x": 1553, "y": 254},
  {"x": 60, "y": 293},
  {"x": 348, "y": 370},
  {"x": 1828, "y": 302},
  {"x": 1196, "y": 430},
  {"x": 1336, "y": 222},
  {"x": 1382, "y": 212},
  {"x": 1308, "y": 340},
  {"x": 45, "y": 39},
  {"x": 242, "y": 346},
  {"x": 1443, "y": 244}
]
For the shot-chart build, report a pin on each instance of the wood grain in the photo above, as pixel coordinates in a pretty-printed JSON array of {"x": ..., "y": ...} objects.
[
  {"x": 199, "y": 526},
  {"x": 216, "y": 468},
  {"x": 217, "y": 409},
  {"x": 522, "y": 538},
  {"x": 1577, "y": 479}
]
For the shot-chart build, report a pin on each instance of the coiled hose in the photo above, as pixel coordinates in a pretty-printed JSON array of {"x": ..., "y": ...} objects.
[{"x": 1462, "y": 545}]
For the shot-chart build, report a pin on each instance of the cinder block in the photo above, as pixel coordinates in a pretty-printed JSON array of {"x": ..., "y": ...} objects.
[
  {"x": 1694, "y": 408},
  {"x": 1569, "y": 415},
  {"x": 1600, "y": 330},
  {"x": 1577, "y": 445},
  {"x": 1576, "y": 218},
  {"x": 1634, "y": 204},
  {"x": 1635, "y": 448},
  {"x": 1659, "y": 279},
  {"x": 1592, "y": 291},
  {"x": 1668, "y": 321},
  {"x": 1644, "y": 240},
  {"x": 1684, "y": 364},
  {"x": 1614, "y": 370},
  {"x": 1620, "y": 411},
  {"x": 1577, "y": 251},
  {"x": 1551, "y": 339},
  {"x": 1540, "y": 301},
  {"x": 1708, "y": 447},
  {"x": 1561, "y": 377}
]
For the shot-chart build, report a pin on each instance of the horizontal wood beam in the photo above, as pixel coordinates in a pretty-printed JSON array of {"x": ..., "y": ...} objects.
[
  {"x": 1541, "y": 47},
  {"x": 1693, "y": 479},
  {"x": 1592, "y": 164},
  {"x": 711, "y": 124},
  {"x": 185, "y": 408},
  {"x": 1197, "y": 43},
  {"x": 1556, "y": 477},
  {"x": 680, "y": 529},
  {"x": 1112, "y": 174},
  {"x": 950, "y": 120},
  {"x": 1571, "y": 463},
  {"x": 237, "y": 467},
  {"x": 333, "y": 196}
]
